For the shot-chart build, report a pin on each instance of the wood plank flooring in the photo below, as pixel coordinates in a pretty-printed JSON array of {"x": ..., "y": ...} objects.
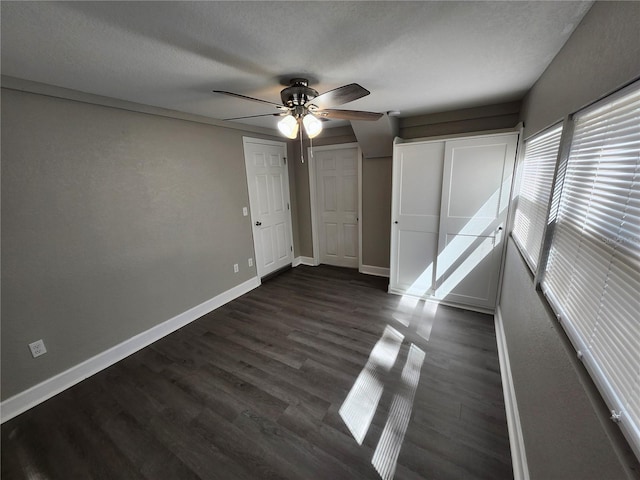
[{"x": 255, "y": 390}]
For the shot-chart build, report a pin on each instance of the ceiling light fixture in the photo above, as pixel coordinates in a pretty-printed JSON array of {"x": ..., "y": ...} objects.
[
  {"x": 312, "y": 126},
  {"x": 289, "y": 125}
]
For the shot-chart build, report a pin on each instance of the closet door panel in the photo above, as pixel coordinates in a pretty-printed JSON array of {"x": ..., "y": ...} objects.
[
  {"x": 476, "y": 185},
  {"x": 465, "y": 276},
  {"x": 417, "y": 190},
  {"x": 416, "y": 254}
]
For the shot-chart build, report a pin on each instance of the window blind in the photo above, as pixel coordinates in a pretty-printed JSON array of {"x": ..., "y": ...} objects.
[
  {"x": 535, "y": 177},
  {"x": 592, "y": 276}
]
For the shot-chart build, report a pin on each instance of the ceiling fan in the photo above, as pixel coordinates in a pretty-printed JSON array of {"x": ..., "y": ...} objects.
[{"x": 303, "y": 104}]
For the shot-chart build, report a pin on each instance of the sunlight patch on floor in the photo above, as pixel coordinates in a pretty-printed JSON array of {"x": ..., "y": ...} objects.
[
  {"x": 404, "y": 310},
  {"x": 386, "y": 454},
  {"x": 416, "y": 314},
  {"x": 426, "y": 319},
  {"x": 361, "y": 403}
]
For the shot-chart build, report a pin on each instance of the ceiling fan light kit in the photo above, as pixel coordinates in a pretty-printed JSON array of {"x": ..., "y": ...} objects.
[{"x": 290, "y": 124}]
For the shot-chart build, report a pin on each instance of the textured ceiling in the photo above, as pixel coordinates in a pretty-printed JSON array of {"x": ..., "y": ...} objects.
[{"x": 415, "y": 57}]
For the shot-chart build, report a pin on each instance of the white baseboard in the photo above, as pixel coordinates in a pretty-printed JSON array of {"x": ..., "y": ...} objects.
[
  {"x": 373, "y": 270},
  {"x": 429, "y": 297},
  {"x": 518, "y": 454},
  {"x": 303, "y": 261},
  {"x": 31, "y": 397}
]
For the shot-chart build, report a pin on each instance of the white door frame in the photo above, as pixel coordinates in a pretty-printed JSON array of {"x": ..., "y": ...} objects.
[
  {"x": 262, "y": 141},
  {"x": 313, "y": 198}
]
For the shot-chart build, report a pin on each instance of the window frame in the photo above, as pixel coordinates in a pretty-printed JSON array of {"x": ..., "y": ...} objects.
[
  {"x": 517, "y": 193},
  {"x": 592, "y": 366}
]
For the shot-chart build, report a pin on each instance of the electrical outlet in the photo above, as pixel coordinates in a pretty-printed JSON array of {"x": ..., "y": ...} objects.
[
  {"x": 250, "y": 262},
  {"x": 236, "y": 269},
  {"x": 37, "y": 348}
]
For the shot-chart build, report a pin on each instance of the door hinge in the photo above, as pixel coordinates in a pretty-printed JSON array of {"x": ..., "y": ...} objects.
[
  {"x": 292, "y": 248},
  {"x": 285, "y": 160},
  {"x": 288, "y": 206}
]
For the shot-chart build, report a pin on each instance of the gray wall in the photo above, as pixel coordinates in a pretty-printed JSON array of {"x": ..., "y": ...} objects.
[
  {"x": 488, "y": 117},
  {"x": 376, "y": 211},
  {"x": 602, "y": 54},
  {"x": 566, "y": 431},
  {"x": 112, "y": 222},
  {"x": 330, "y": 136}
]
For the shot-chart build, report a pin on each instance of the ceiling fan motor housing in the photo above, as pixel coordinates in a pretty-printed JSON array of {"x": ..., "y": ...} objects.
[{"x": 298, "y": 93}]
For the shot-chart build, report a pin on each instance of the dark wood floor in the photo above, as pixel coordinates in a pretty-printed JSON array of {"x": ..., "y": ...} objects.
[{"x": 255, "y": 390}]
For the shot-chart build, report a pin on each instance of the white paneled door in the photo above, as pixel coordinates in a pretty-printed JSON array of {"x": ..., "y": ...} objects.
[
  {"x": 268, "y": 183},
  {"x": 417, "y": 178},
  {"x": 475, "y": 198},
  {"x": 337, "y": 199}
]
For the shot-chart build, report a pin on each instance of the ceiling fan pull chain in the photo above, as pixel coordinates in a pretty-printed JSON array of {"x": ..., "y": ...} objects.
[{"x": 301, "y": 149}]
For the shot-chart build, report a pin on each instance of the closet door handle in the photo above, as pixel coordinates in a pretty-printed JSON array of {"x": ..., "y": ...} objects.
[
  {"x": 396, "y": 221},
  {"x": 258, "y": 224}
]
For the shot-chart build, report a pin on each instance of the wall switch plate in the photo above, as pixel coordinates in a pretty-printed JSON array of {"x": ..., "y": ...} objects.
[
  {"x": 37, "y": 348},
  {"x": 245, "y": 212},
  {"x": 250, "y": 262},
  {"x": 236, "y": 269}
]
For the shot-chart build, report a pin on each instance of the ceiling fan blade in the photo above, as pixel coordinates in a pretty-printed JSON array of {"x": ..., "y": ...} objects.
[
  {"x": 347, "y": 114},
  {"x": 255, "y": 116},
  {"x": 339, "y": 96},
  {"x": 237, "y": 95}
]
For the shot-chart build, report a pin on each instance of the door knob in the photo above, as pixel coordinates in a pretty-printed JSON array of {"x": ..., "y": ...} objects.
[
  {"x": 258, "y": 224},
  {"x": 396, "y": 221},
  {"x": 499, "y": 229}
]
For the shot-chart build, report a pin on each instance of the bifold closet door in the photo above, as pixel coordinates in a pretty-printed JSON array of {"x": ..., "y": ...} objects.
[
  {"x": 476, "y": 188},
  {"x": 417, "y": 189}
]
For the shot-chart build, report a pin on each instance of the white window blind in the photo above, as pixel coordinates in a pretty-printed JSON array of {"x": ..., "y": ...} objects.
[
  {"x": 535, "y": 178},
  {"x": 592, "y": 276}
]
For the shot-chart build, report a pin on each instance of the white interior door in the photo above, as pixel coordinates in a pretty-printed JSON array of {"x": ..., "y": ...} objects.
[
  {"x": 268, "y": 182},
  {"x": 417, "y": 187},
  {"x": 337, "y": 202},
  {"x": 475, "y": 197}
]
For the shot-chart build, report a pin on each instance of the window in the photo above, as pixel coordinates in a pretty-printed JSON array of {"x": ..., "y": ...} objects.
[
  {"x": 535, "y": 178},
  {"x": 592, "y": 275}
]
